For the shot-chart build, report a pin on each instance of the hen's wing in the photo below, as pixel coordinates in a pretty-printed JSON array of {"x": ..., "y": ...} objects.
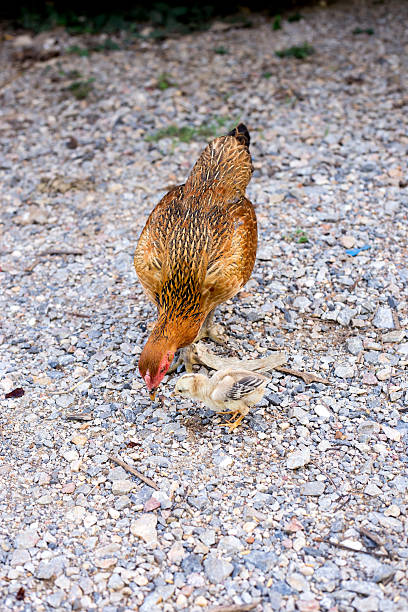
[
  {"x": 233, "y": 250},
  {"x": 151, "y": 247}
]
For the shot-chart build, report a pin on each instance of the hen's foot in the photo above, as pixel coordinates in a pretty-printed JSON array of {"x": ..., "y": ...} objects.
[{"x": 185, "y": 357}]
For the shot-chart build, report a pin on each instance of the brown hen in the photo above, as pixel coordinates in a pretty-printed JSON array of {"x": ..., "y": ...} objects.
[{"x": 197, "y": 250}]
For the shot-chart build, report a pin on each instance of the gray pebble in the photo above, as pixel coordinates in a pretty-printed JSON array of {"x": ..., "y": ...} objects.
[
  {"x": 383, "y": 318},
  {"x": 217, "y": 570},
  {"x": 313, "y": 488}
]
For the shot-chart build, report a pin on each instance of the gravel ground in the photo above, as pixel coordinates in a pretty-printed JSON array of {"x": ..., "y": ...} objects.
[{"x": 305, "y": 506}]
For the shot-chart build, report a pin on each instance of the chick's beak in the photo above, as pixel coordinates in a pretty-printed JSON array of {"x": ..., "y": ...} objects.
[{"x": 152, "y": 394}]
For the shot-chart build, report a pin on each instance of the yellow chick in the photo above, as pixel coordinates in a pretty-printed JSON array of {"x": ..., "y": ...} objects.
[{"x": 228, "y": 391}]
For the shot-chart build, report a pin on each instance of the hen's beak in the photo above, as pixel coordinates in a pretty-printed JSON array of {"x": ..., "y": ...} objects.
[{"x": 152, "y": 394}]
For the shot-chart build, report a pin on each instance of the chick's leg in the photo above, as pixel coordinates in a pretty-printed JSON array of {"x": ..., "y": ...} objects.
[
  {"x": 236, "y": 423},
  {"x": 212, "y": 330},
  {"x": 242, "y": 410}
]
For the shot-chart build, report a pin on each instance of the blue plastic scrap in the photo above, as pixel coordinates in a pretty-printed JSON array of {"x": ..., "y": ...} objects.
[{"x": 354, "y": 252}]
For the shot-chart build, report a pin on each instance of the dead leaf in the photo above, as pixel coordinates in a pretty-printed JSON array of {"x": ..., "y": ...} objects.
[
  {"x": 18, "y": 392},
  {"x": 20, "y": 594}
]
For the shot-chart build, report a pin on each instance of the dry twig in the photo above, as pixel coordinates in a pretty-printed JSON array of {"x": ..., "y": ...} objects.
[
  {"x": 61, "y": 252},
  {"x": 74, "y": 313},
  {"x": 133, "y": 471},
  {"x": 378, "y": 541},
  {"x": 326, "y": 540},
  {"x": 323, "y": 471},
  {"x": 50, "y": 252},
  {"x": 396, "y": 320},
  {"x": 308, "y": 377},
  {"x": 371, "y": 536},
  {"x": 343, "y": 503}
]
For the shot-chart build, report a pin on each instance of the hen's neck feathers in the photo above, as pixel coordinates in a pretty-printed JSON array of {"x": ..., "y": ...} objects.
[{"x": 173, "y": 330}]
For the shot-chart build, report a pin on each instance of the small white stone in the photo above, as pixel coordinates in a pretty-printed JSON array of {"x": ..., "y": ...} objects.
[
  {"x": 122, "y": 487},
  {"x": 384, "y": 373},
  {"x": 297, "y": 582},
  {"x": 298, "y": 458},
  {"x": 76, "y": 514},
  {"x": 299, "y": 542},
  {"x": 79, "y": 439},
  {"x": 62, "y": 582},
  {"x": 176, "y": 553},
  {"x": 20, "y": 557},
  {"x": 394, "y": 336},
  {"x": 71, "y": 455},
  {"x": 322, "y": 411},
  {"x": 383, "y": 318},
  {"x": 145, "y": 528},
  {"x": 181, "y": 602},
  {"x": 392, "y": 510},
  {"x": 323, "y": 445},
  {"x": 26, "y": 539},
  {"x": 355, "y": 545},
  {"x": 90, "y": 520},
  {"x": 225, "y": 462},
  {"x": 230, "y": 545},
  {"x": 75, "y": 466},
  {"x": 344, "y": 370},
  {"x": 380, "y": 448},
  {"x": 392, "y": 434},
  {"x": 116, "y": 582},
  {"x": 249, "y": 526},
  {"x": 45, "y": 500},
  {"x": 347, "y": 241},
  {"x": 372, "y": 489}
]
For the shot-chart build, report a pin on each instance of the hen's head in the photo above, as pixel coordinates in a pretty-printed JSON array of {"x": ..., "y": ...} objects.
[{"x": 154, "y": 363}]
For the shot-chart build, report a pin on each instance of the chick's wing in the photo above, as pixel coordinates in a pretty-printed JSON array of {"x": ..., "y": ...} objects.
[{"x": 244, "y": 386}]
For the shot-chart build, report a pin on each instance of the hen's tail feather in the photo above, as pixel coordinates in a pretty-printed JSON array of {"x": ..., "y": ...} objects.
[
  {"x": 225, "y": 165},
  {"x": 241, "y": 134}
]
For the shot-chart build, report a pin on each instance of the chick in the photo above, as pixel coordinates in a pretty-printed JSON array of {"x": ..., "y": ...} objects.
[{"x": 228, "y": 391}]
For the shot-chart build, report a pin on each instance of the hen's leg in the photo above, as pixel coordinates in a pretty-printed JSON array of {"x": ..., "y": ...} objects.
[
  {"x": 212, "y": 330},
  {"x": 187, "y": 357}
]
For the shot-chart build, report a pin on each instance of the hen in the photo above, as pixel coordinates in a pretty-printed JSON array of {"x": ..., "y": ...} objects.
[
  {"x": 228, "y": 391},
  {"x": 197, "y": 250}
]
